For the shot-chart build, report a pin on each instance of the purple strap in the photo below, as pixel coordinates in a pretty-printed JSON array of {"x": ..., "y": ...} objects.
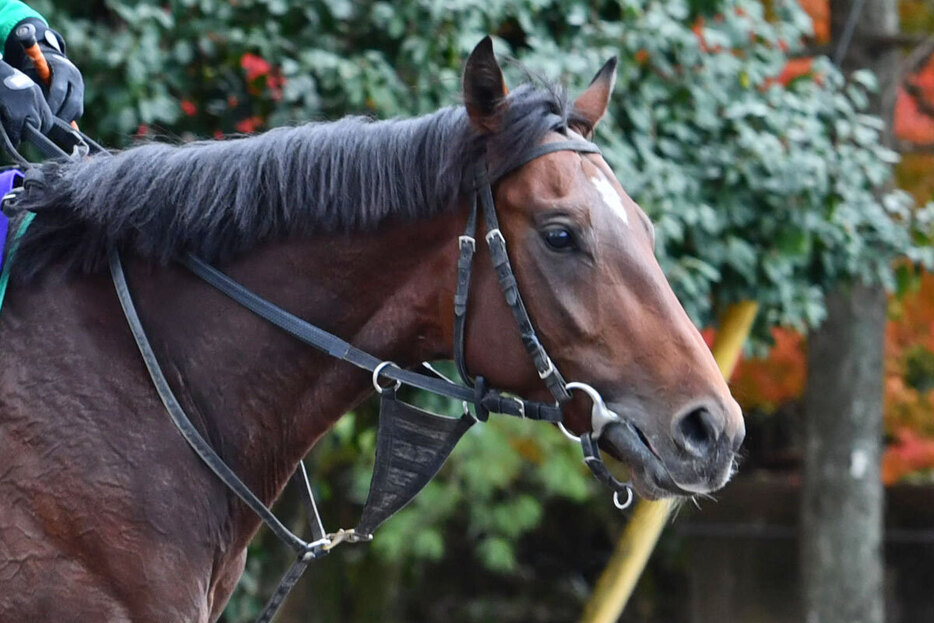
[{"x": 8, "y": 180}]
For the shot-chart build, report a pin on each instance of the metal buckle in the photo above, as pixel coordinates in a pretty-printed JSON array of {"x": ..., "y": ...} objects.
[
  {"x": 622, "y": 505},
  {"x": 13, "y": 194},
  {"x": 544, "y": 374},
  {"x": 521, "y": 406},
  {"x": 495, "y": 233},
  {"x": 341, "y": 536},
  {"x": 469, "y": 241},
  {"x": 311, "y": 549},
  {"x": 568, "y": 433}
]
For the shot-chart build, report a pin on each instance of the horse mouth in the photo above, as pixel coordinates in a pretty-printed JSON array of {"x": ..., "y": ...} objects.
[{"x": 651, "y": 479}]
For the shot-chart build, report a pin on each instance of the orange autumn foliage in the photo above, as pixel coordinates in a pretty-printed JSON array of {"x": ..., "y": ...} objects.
[
  {"x": 819, "y": 12},
  {"x": 911, "y": 123},
  {"x": 913, "y": 120},
  {"x": 765, "y": 384},
  {"x": 907, "y": 454},
  {"x": 794, "y": 68}
]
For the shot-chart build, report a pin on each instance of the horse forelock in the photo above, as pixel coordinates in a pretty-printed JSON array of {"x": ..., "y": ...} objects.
[{"x": 219, "y": 199}]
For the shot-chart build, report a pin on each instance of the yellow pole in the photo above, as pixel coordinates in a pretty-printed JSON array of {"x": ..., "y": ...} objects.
[{"x": 634, "y": 547}]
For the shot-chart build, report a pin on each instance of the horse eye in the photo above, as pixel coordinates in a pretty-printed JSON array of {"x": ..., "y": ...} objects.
[{"x": 559, "y": 239}]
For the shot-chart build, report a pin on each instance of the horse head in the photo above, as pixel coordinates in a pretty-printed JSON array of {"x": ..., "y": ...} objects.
[{"x": 583, "y": 254}]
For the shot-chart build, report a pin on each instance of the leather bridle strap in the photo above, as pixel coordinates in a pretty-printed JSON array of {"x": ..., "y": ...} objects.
[
  {"x": 181, "y": 421},
  {"x": 504, "y": 273},
  {"x": 467, "y": 244},
  {"x": 484, "y": 399},
  {"x": 580, "y": 146}
]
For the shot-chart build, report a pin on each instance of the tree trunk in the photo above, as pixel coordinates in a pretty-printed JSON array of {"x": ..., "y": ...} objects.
[
  {"x": 842, "y": 502},
  {"x": 843, "y": 496}
]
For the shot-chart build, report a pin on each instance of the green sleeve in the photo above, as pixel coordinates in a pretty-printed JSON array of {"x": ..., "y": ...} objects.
[{"x": 12, "y": 12}]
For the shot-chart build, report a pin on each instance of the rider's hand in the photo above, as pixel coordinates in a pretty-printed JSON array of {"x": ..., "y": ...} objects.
[
  {"x": 65, "y": 93},
  {"x": 21, "y": 102}
]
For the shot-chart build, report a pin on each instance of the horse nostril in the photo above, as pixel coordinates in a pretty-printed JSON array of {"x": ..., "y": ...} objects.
[{"x": 697, "y": 431}]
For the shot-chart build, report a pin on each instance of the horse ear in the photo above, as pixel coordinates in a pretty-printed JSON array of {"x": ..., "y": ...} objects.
[
  {"x": 590, "y": 107},
  {"x": 484, "y": 88}
]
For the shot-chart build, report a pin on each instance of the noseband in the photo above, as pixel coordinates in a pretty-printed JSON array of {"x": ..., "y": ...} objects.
[{"x": 401, "y": 420}]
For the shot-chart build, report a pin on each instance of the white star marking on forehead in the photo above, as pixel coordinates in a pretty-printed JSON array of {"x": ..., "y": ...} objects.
[{"x": 610, "y": 197}]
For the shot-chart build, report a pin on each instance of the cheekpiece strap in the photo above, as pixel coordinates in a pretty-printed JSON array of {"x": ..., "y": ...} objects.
[
  {"x": 507, "y": 282},
  {"x": 467, "y": 246}
]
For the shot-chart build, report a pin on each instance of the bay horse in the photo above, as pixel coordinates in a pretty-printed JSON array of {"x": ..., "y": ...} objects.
[{"x": 107, "y": 515}]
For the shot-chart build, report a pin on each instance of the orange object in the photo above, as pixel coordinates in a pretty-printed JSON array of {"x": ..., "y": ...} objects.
[
  {"x": 38, "y": 59},
  {"x": 26, "y": 34},
  {"x": 27, "y": 38}
]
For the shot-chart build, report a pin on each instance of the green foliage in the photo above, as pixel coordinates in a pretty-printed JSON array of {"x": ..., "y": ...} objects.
[
  {"x": 477, "y": 487},
  {"x": 919, "y": 368},
  {"x": 757, "y": 190}
]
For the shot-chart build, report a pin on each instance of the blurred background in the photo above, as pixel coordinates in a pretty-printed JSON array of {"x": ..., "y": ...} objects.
[{"x": 784, "y": 151}]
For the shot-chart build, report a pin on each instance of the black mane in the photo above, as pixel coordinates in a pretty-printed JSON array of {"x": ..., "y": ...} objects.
[{"x": 218, "y": 199}]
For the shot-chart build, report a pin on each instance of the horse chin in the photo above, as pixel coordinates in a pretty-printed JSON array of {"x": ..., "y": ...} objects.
[{"x": 651, "y": 480}]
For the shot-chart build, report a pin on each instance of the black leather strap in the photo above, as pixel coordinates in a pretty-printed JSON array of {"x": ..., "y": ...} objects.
[
  {"x": 547, "y": 148},
  {"x": 467, "y": 245},
  {"x": 504, "y": 273},
  {"x": 285, "y": 586},
  {"x": 180, "y": 419},
  {"x": 340, "y": 349},
  {"x": 598, "y": 468},
  {"x": 507, "y": 282}
]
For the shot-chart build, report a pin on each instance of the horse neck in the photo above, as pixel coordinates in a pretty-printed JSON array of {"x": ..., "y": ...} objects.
[{"x": 262, "y": 397}]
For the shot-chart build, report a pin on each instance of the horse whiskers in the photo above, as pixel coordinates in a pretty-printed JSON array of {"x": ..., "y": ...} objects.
[{"x": 677, "y": 505}]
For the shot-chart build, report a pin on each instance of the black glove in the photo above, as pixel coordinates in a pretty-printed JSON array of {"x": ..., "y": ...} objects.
[
  {"x": 65, "y": 93},
  {"x": 21, "y": 102}
]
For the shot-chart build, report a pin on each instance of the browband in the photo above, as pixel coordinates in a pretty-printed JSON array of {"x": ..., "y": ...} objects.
[{"x": 544, "y": 149}]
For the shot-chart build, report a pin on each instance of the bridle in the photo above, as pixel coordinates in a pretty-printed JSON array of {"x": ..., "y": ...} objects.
[
  {"x": 504, "y": 273},
  {"x": 484, "y": 399}
]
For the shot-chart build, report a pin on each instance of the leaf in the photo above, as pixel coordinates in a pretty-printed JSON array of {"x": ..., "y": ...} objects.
[{"x": 497, "y": 554}]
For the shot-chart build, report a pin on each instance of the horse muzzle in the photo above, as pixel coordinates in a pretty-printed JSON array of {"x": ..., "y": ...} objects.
[{"x": 655, "y": 477}]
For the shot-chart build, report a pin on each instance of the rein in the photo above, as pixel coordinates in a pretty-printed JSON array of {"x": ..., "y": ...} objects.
[
  {"x": 401, "y": 425},
  {"x": 485, "y": 401}
]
